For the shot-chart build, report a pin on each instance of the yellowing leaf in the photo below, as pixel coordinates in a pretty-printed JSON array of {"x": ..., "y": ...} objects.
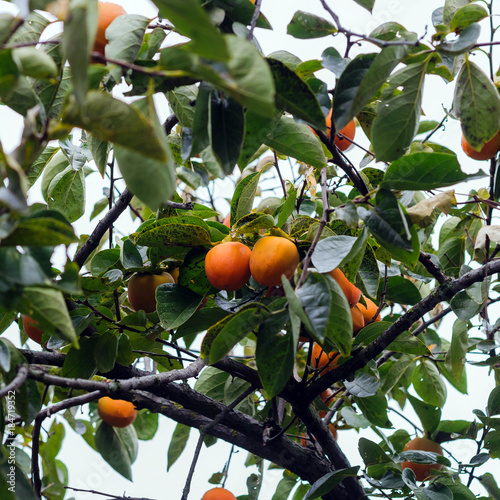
[
  {"x": 484, "y": 238},
  {"x": 421, "y": 213}
]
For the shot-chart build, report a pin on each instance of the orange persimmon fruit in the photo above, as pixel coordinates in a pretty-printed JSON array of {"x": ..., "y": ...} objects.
[
  {"x": 369, "y": 310},
  {"x": 273, "y": 256},
  {"x": 218, "y": 494},
  {"x": 142, "y": 290},
  {"x": 422, "y": 471},
  {"x": 227, "y": 265},
  {"x": 32, "y": 331},
  {"x": 358, "y": 320},
  {"x": 323, "y": 361},
  {"x": 107, "y": 13},
  {"x": 116, "y": 412},
  {"x": 352, "y": 292},
  {"x": 488, "y": 151}
]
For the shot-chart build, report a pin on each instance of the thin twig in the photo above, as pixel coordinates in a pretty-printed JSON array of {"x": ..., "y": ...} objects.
[
  {"x": 37, "y": 425},
  {"x": 18, "y": 381},
  {"x": 255, "y": 17},
  {"x": 322, "y": 224},
  {"x": 203, "y": 432},
  {"x": 282, "y": 182},
  {"x": 114, "y": 497}
]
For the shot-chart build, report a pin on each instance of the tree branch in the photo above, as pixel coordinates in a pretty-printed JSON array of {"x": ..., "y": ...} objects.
[
  {"x": 104, "y": 224},
  {"x": 18, "y": 381},
  {"x": 443, "y": 292},
  {"x": 35, "y": 435}
]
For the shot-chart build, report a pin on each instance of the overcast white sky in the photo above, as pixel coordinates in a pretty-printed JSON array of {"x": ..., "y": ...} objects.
[{"x": 87, "y": 469}]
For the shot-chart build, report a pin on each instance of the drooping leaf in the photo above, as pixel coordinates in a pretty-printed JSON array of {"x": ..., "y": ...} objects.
[
  {"x": 429, "y": 384},
  {"x": 477, "y": 104},
  {"x": 227, "y": 124},
  {"x": 296, "y": 140},
  {"x": 398, "y": 113},
  {"x": 175, "y": 304},
  {"x": 425, "y": 171},
  {"x": 362, "y": 78},
  {"x": 193, "y": 22},
  {"x": 118, "y": 446},
  {"x": 178, "y": 443},
  {"x": 295, "y": 96}
]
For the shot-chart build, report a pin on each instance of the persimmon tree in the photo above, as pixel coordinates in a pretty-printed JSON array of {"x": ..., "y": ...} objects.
[{"x": 230, "y": 363}]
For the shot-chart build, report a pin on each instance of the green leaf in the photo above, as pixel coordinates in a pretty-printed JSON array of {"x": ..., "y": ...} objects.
[
  {"x": 146, "y": 425},
  {"x": 47, "y": 306},
  {"x": 112, "y": 120},
  {"x": 329, "y": 481},
  {"x": 468, "y": 14},
  {"x": 30, "y": 30},
  {"x": 130, "y": 256},
  {"x": 227, "y": 125},
  {"x": 477, "y": 104},
  {"x": 397, "y": 370},
  {"x": 295, "y": 96},
  {"x": 490, "y": 485},
  {"x": 333, "y": 251},
  {"x": 99, "y": 150},
  {"x": 333, "y": 61},
  {"x": 298, "y": 141},
  {"x": 372, "y": 453},
  {"x": 104, "y": 260},
  {"x": 450, "y": 9},
  {"x": 66, "y": 193},
  {"x": 212, "y": 382},
  {"x": 275, "y": 355},
  {"x": 178, "y": 443},
  {"x": 374, "y": 409},
  {"x": 244, "y": 194},
  {"x": 429, "y": 415},
  {"x": 367, "y": 4},
  {"x": 363, "y": 385},
  {"x": 361, "y": 79},
  {"x": 186, "y": 231},
  {"x": 223, "y": 336},
  {"x": 200, "y": 321},
  {"x": 125, "y": 35},
  {"x": 287, "y": 208},
  {"x": 80, "y": 363},
  {"x": 406, "y": 343},
  {"x": 193, "y": 22},
  {"x": 118, "y": 446},
  {"x": 425, "y": 171},
  {"x": 35, "y": 63},
  {"x": 402, "y": 291},
  {"x": 304, "y": 25},
  {"x": 455, "y": 358},
  {"x": 465, "y": 41},
  {"x": 398, "y": 113},
  {"x": 464, "y": 306},
  {"x": 181, "y": 101},
  {"x": 328, "y": 311},
  {"x": 41, "y": 231},
  {"x": 389, "y": 225},
  {"x": 494, "y": 402},
  {"x": 428, "y": 383},
  {"x": 175, "y": 305},
  {"x": 57, "y": 163},
  {"x": 79, "y": 33},
  {"x": 105, "y": 352}
]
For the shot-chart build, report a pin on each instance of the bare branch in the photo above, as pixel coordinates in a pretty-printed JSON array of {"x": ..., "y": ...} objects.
[
  {"x": 104, "y": 224},
  {"x": 18, "y": 381},
  {"x": 35, "y": 435}
]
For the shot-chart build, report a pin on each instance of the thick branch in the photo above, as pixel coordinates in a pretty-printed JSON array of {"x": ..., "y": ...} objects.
[
  {"x": 442, "y": 293},
  {"x": 104, "y": 224}
]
